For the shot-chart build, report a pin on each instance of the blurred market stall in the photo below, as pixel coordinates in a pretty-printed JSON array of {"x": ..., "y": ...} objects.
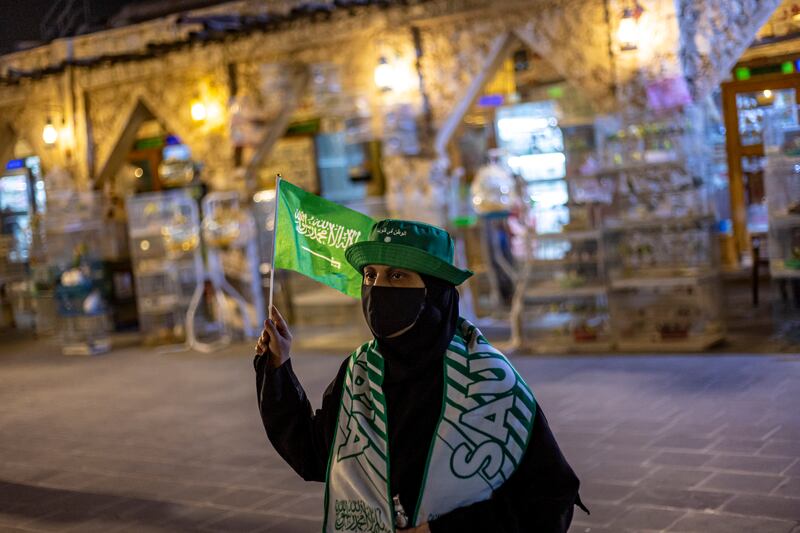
[{"x": 601, "y": 163}]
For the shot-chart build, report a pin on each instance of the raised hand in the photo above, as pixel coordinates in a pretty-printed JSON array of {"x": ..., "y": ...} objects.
[{"x": 275, "y": 339}]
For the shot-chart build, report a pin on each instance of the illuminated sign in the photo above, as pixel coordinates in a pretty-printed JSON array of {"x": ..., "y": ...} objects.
[{"x": 491, "y": 100}]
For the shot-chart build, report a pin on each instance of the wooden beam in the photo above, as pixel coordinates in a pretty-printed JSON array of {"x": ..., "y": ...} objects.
[
  {"x": 735, "y": 150},
  {"x": 127, "y": 138},
  {"x": 8, "y": 139},
  {"x": 300, "y": 77},
  {"x": 774, "y": 81},
  {"x": 500, "y": 50},
  {"x": 735, "y": 180}
]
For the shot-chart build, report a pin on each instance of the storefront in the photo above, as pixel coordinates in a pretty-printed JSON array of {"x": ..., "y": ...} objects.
[
  {"x": 760, "y": 109},
  {"x": 596, "y": 227},
  {"x": 394, "y": 109},
  {"x": 21, "y": 201}
]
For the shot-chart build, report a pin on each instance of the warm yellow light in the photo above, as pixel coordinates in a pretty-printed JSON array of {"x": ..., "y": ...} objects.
[
  {"x": 138, "y": 172},
  {"x": 267, "y": 195},
  {"x": 214, "y": 112},
  {"x": 199, "y": 112},
  {"x": 767, "y": 93},
  {"x": 385, "y": 75},
  {"x": 628, "y": 31},
  {"x": 49, "y": 134}
]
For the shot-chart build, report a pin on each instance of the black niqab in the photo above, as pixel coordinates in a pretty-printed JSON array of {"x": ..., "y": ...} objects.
[
  {"x": 424, "y": 344},
  {"x": 413, "y": 386}
]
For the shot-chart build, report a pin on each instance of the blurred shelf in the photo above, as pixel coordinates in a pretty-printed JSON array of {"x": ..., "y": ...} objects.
[
  {"x": 649, "y": 223},
  {"x": 566, "y": 345},
  {"x": 548, "y": 179},
  {"x": 738, "y": 272},
  {"x": 646, "y": 282},
  {"x": 692, "y": 343},
  {"x": 95, "y": 347},
  {"x": 551, "y": 291},
  {"x": 152, "y": 267},
  {"x": 158, "y": 304},
  {"x": 144, "y": 233},
  {"x": 785, "y": 220},
  {"x": 678, "y": 162},
  {"x": 583, "y": 235},
  {"x": 554, "y": 263},
  {"x": 74, "y": 227},
  {"x": 590, "y": 176},
  {"x": 780, "y": 272}
]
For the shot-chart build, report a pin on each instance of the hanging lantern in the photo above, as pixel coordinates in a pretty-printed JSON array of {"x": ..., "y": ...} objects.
[
  {"x": 214, "y": 112},
  {"x": 384, "y": 75},
  {"x": 49, "y": 133},
  {"x": 628, "y": 30},
  {"x": 199, "y": 111}
]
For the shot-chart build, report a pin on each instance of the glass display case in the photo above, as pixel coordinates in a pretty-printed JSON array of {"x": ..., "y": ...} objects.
[
  {"x": 333, "y": 165},
  {"x": 23, "y": 306},
  {"x": 679, "y": 248},
  {"x": 571, "y": 324},
  {"x": 782, "y": 184},
  {"x": 650, "y": 192},
  {"x": 633, "y": 262},
  {"x": 534, "y": 145},
  {"x": 530, "y": 135},
  {"x": 561, "y": 299},
  {"x": 74, "y": 235},
  {"x": 681, "y": 315},
  {"x": 233, "y": 260},
  {"x": 176, "y": 172},
  {"x": 22, "y": 199},
  {"x": 22, "y": 196},
  {"x": 661, "y": 247},
  {"x": 783, "y": 198},
  {"x": 11, "y": 272},
  {"x": 782, "y": 191},
  {"x": 566, "y": 262},
  {"x": 164, "y": 236}
]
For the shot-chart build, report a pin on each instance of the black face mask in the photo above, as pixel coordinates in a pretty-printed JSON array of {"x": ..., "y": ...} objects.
[
  {"x": 422, "y": 347},
  {"x": 391, "y": 309}
]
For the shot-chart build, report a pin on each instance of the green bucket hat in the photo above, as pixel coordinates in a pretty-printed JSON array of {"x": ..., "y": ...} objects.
[{"x": 406, "y": 244}]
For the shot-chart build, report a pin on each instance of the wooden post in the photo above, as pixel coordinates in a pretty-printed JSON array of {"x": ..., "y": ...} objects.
[
  {"x": 501, "y": 48},
  {"x": 7, "y": 140}
]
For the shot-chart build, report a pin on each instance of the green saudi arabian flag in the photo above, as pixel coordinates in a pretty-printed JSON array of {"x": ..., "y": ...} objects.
[{"x": 312, "y": 234}]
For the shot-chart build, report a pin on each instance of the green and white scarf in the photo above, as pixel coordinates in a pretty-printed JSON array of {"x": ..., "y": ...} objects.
[{"x": 483, "y": 430}]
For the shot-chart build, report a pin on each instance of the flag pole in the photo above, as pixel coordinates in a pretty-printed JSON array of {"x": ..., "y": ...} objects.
[{"x": 274, "y": 243}]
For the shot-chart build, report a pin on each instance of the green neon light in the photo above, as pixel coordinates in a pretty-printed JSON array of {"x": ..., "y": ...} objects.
[
  {"x": 742, "y": 73},
  {"x": 787, "y": 67},
  {"x": 555, "y": 92}
]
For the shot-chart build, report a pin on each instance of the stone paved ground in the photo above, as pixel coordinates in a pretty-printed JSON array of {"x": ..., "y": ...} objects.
[{"x": 141, "y": 441}]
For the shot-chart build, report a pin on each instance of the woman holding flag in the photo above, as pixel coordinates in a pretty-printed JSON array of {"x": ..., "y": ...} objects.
[{"x": 427, "y": 427}]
